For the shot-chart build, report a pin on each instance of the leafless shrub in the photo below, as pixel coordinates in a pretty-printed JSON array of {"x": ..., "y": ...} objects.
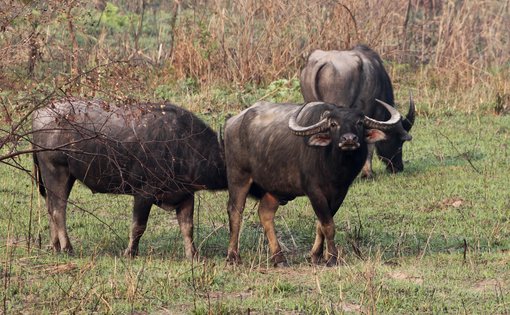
[{"x": 442, "y": 48}]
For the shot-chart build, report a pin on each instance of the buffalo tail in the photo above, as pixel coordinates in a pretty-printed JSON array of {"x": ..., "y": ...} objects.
[{"x": 37, "y": 175}]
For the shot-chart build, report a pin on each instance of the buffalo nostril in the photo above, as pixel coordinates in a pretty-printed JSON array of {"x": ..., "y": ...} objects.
[{"x": 349, "y": 138}]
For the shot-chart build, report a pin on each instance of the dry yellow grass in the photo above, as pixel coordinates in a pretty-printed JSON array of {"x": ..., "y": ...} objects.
[{"x": 453, "y": 54}]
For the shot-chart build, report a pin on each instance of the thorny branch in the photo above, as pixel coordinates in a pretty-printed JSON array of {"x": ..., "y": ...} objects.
[
  {"x": 460, "y": 153},
  {"x": 13, "y": 136}
]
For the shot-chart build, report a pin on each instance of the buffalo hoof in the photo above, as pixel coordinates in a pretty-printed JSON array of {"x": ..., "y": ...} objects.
[
  {"x": 335, "y": 261},
  {"x": 192, "y": 254},
  {"x": 332, "y": 262},
  {"x": 367, "y": 175},
  {"x": 281, "y": 264},
  {"x": 195, "y": 257},
  {"x": 279, "y": 260},
  {"x": 66, "y": 251},
  {"x": 394, "y": 169},
  {"x": 130, "y": 253},
  {"x": 316, "y": 259},
  {"x": 233, "y": 258}
]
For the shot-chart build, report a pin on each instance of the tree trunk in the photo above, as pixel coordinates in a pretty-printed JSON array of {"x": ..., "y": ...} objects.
[
  {"x": 74, "y": 55},
  {"x": 140, "y": 27},
  {"x": 33, "y": 55}
]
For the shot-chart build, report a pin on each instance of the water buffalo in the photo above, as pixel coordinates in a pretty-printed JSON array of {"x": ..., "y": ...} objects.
[
  {"x": 286, "y": 151},
  {"x": 159, "y": 153},
  {"x": 356, "y": 78}
]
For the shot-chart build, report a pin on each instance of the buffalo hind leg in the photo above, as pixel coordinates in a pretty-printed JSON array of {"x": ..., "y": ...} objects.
[
  {"x": 59, "y": 183},
  {"x": 141, "y": 211},
  {"x": 267, "y": 209},
  {"x": 185, "y": 218},
  {"x": 238, "y": 191}
]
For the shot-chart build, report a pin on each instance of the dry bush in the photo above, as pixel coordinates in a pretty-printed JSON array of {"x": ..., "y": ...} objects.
[
  {"x": 464, "y": 45},
  {"x": 257, "y": 42},
  {"x": 453, "y": 53},
  {"x": 455, "y": 45}
]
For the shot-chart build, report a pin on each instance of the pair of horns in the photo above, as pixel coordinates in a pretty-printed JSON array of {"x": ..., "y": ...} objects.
[{"x": 323, "y": 124}]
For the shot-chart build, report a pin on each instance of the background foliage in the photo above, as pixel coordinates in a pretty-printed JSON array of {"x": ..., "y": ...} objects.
[{"x": 453, "y": 54}]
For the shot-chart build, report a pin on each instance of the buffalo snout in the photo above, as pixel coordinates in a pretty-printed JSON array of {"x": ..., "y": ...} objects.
[{"x": 349, "y": 141}]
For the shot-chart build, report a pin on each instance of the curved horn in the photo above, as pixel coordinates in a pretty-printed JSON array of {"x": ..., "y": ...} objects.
[
  {"x": 308, "y": 130},
  {"x": 384, "y": 125},
  {"x": 408, "y": 122}
]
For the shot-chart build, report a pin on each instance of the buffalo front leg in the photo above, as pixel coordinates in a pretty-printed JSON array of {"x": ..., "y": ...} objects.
[
  {"x": 236, "y": 202},
  {"x": 267, "y": 209},
  {"x": 328, "y": 230},
  {"x": 367, "y": 172},
  {"x": 141, "y": 211},
  {"x": 325, "y": 230},
  {"x": 185, "y": 218},
  {"x": 318, "y": 245}
]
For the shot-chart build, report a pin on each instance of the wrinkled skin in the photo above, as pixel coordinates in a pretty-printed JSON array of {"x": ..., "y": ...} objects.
[
  {"x": 355, "y": 78},
  {"x": 261, "y": 151},
  {"x": 158, "y": 153}
]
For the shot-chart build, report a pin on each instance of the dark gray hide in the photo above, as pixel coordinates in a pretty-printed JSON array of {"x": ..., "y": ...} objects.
[
  {"x": 266, "y": 147},
  {"x": 159, "y": 153},
  {"x": 355, "y": 78}
]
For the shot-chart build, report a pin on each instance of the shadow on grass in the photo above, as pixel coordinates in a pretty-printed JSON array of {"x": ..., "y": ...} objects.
[
  {"x": 431, "y": 162},
  {"x": 296, "y": 236}
]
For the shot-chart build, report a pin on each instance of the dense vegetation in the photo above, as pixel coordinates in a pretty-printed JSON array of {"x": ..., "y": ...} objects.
[{"x": 433, "y": 239}]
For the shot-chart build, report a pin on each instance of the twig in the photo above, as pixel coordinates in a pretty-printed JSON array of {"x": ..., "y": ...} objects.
[
  {"x": 428, "y": 242},
  {"x": 464, "y": 254},
  {"x": 138, "y": 276},
  {"x": 209, "y": 235},
  {"x": 460, "y": 153},
  {"x": 291, "y": 236}
]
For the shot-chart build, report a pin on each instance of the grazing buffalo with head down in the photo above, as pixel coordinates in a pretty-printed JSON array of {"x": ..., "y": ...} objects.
[
  {"x": 355, "y": 79},
  {"x": 286, "y": 151},
  {"x": 159, "y": 153}
]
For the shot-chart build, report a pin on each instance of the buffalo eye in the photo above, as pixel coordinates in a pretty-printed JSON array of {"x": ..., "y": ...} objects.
[
  {"x": 333, "y": 124},
  {"x": 359, "y": 123}
]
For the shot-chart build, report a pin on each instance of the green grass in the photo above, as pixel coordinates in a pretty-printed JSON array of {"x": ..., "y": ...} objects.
[{"x": 434, "y": 239}]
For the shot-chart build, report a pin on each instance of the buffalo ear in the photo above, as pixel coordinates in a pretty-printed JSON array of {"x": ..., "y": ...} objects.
[
  {"x": 319, "y": 140},
  {"x": 374, "y": 135},
  {"x": 406, "y": 137}
]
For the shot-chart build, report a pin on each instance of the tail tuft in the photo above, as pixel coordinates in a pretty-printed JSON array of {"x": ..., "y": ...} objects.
[{"x": 37, "y": 176}]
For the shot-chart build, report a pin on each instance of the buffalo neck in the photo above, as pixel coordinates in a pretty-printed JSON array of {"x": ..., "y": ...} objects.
[
  {"x": 345, "y": 165},
  {"x": 214, "y": 172}
]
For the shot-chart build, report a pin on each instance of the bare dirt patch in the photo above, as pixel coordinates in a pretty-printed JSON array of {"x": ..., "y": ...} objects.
[
  {"x": 487, "y": 285},
  {"x": 351, "y": 308},
  {"x": 399, "y": 275},
  {"x": 445, "y": 204}
]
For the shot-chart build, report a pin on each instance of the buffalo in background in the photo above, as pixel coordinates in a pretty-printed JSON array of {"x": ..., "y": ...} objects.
[
  {"x": 355, "y": 79},
  {"x": 285, "y": 150},
  {"x": 159, "y": 153}
]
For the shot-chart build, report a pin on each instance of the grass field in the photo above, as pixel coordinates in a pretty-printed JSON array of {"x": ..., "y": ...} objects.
[{"x": 434, "y": 239}]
